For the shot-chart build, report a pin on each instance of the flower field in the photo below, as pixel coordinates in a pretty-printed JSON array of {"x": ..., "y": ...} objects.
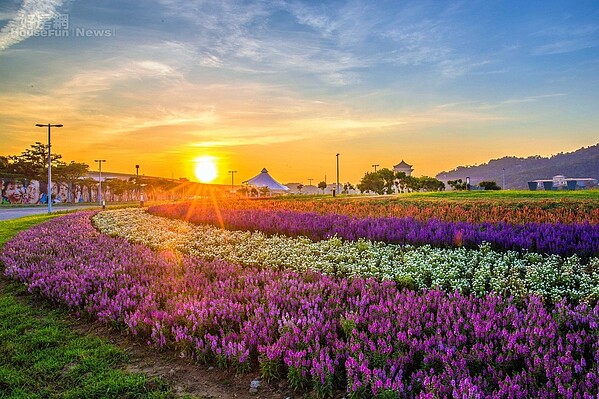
[
  {"x": 514, "y": 211},
  {"x": 552, "y": 238},
  {"x": 319, "y": 331},
  {"x": 478, "y": 271},
  {"x": 340, "y": 297}
]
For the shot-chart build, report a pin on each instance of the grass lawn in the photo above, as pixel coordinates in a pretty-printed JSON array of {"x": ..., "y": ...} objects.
[
  {"x": 508, "y": 195},
  {"x": 40, "y": 357}
]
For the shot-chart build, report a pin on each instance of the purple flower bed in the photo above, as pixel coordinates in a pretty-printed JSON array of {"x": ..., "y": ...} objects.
[
  {"x": 320, "y": 332},
  {"x": 560, "y": 239}
]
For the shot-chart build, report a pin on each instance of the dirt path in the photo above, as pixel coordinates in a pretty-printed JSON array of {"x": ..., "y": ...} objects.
[{"x": 182, "y": 375}]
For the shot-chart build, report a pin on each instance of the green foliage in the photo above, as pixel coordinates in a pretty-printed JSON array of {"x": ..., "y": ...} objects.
[
  {"x": 348, "y": 326},
  {"x": 386, "y": 181},
  {"x": 431, "y": 184},
  {"x": 33, "y": 162},
  {"x": 270, "y": 369},
  {"x": 346, "y": 187},
  {"x": 387, "y": 394},
  {"x": 297, "y": 379},
  {"x": 489, "y": 185},
  {"x": 322, "y": 185},
  {"x": 323, "y": 389},
  {"x": 372, "y": 182},
  {"x": 405, "y": 282},
  {"x": 457, "y": 185}
]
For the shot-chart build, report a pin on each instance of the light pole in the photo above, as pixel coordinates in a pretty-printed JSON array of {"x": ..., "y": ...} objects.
[
  {"x": 503, "y": 178},
  {"x": 100, "y": 196},
  {"x": 49, "y": 125},
  {"x": 374, "y": 166},
  {"x": 139, "y": 193},
  {"x": 232, "y": 172},
  {"x": 337, "y": 172}
]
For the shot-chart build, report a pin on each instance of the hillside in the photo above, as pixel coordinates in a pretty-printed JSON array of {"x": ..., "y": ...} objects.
[{"x": 518, "y": 171}]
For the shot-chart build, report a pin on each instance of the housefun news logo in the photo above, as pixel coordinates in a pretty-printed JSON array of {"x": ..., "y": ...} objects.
[{"x": 39, "y": 25}]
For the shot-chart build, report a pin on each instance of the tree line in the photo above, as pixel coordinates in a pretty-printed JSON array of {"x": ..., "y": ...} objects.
[{"x": 386, "y": 181}]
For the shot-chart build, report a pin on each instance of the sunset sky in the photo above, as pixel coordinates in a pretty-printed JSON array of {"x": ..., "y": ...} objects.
[{"x": 286, "y": 85}]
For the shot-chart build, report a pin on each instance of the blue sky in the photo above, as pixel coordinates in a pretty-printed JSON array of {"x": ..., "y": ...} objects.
[{"x": 288, "y": 84}]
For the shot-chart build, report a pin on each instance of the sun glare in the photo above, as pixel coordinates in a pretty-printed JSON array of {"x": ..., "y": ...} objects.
[{"x": 205, "y": 169}]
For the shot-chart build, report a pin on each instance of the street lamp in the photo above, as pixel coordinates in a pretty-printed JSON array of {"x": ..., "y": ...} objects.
[
  {"x": 99, "y": 161},
  {"x": 232, "y": 172},
  {"x": 337, "y": 172},
  {"x": 374, "y": 166},
  {"x": 49, "y": 125},
  {"x": 139, "y": 193}
]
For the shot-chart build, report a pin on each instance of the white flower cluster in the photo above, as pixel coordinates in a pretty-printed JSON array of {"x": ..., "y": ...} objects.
[{"x": 477, "y": 271}]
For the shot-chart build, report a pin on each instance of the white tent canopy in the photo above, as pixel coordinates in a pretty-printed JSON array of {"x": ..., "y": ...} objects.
[{"x": 265, "y": 180}]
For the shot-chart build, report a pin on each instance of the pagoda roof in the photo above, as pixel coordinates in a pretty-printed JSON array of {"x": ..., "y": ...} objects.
[{"x": 402, "y": 164}]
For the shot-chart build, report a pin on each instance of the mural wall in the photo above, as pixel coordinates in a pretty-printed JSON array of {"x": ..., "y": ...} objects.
[{"x": 31, "y": 192}]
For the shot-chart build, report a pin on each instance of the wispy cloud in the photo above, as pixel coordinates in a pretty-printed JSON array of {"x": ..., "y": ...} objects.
[
  {"x": 516, "y": 101},
  {"x": 567, "y": 38},
  {"x": 28, "y": 21},
  {"x": 531, "y": 98}
]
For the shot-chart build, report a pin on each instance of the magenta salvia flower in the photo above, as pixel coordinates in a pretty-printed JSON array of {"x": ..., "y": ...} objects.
[{"x": 367, "y": 335}]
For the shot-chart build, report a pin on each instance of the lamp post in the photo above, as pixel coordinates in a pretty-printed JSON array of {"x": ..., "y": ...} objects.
[
  {"x": 100, "y": 196},
  {"x": 337, "y": 172},
  {"x": 374, "y": 166},
  {"x": 232, "y": 172},
  {"x": 49, "y": 125},
  {"x": 139, "y": 193}
]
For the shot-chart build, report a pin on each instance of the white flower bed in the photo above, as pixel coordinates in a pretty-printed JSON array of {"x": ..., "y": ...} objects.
[{"x": 476, "y": 271}]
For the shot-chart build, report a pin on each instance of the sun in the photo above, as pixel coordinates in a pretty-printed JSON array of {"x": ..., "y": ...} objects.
[{"x": 205, "y": 169}]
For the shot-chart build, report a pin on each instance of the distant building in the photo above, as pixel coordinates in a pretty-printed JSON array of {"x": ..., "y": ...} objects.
[
  {"x": 560, "y": 182},
  {"x": 306, "y": 189},
  {"x": 403, "y": 167}
]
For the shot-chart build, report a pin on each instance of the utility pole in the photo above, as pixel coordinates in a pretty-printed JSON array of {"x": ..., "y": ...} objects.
[
  {"x": 100, "y": 196},
  {"x": 49, "y": 125},
  {"x": 139, "y": 193},
  {"x": 374, "y": 166},
  {"x": 232, "y": 172},
  {"x": 338, "y": 173}
]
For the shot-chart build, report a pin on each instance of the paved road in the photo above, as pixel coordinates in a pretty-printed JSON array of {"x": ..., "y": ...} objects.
[{"x": 17, "y": 212}]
